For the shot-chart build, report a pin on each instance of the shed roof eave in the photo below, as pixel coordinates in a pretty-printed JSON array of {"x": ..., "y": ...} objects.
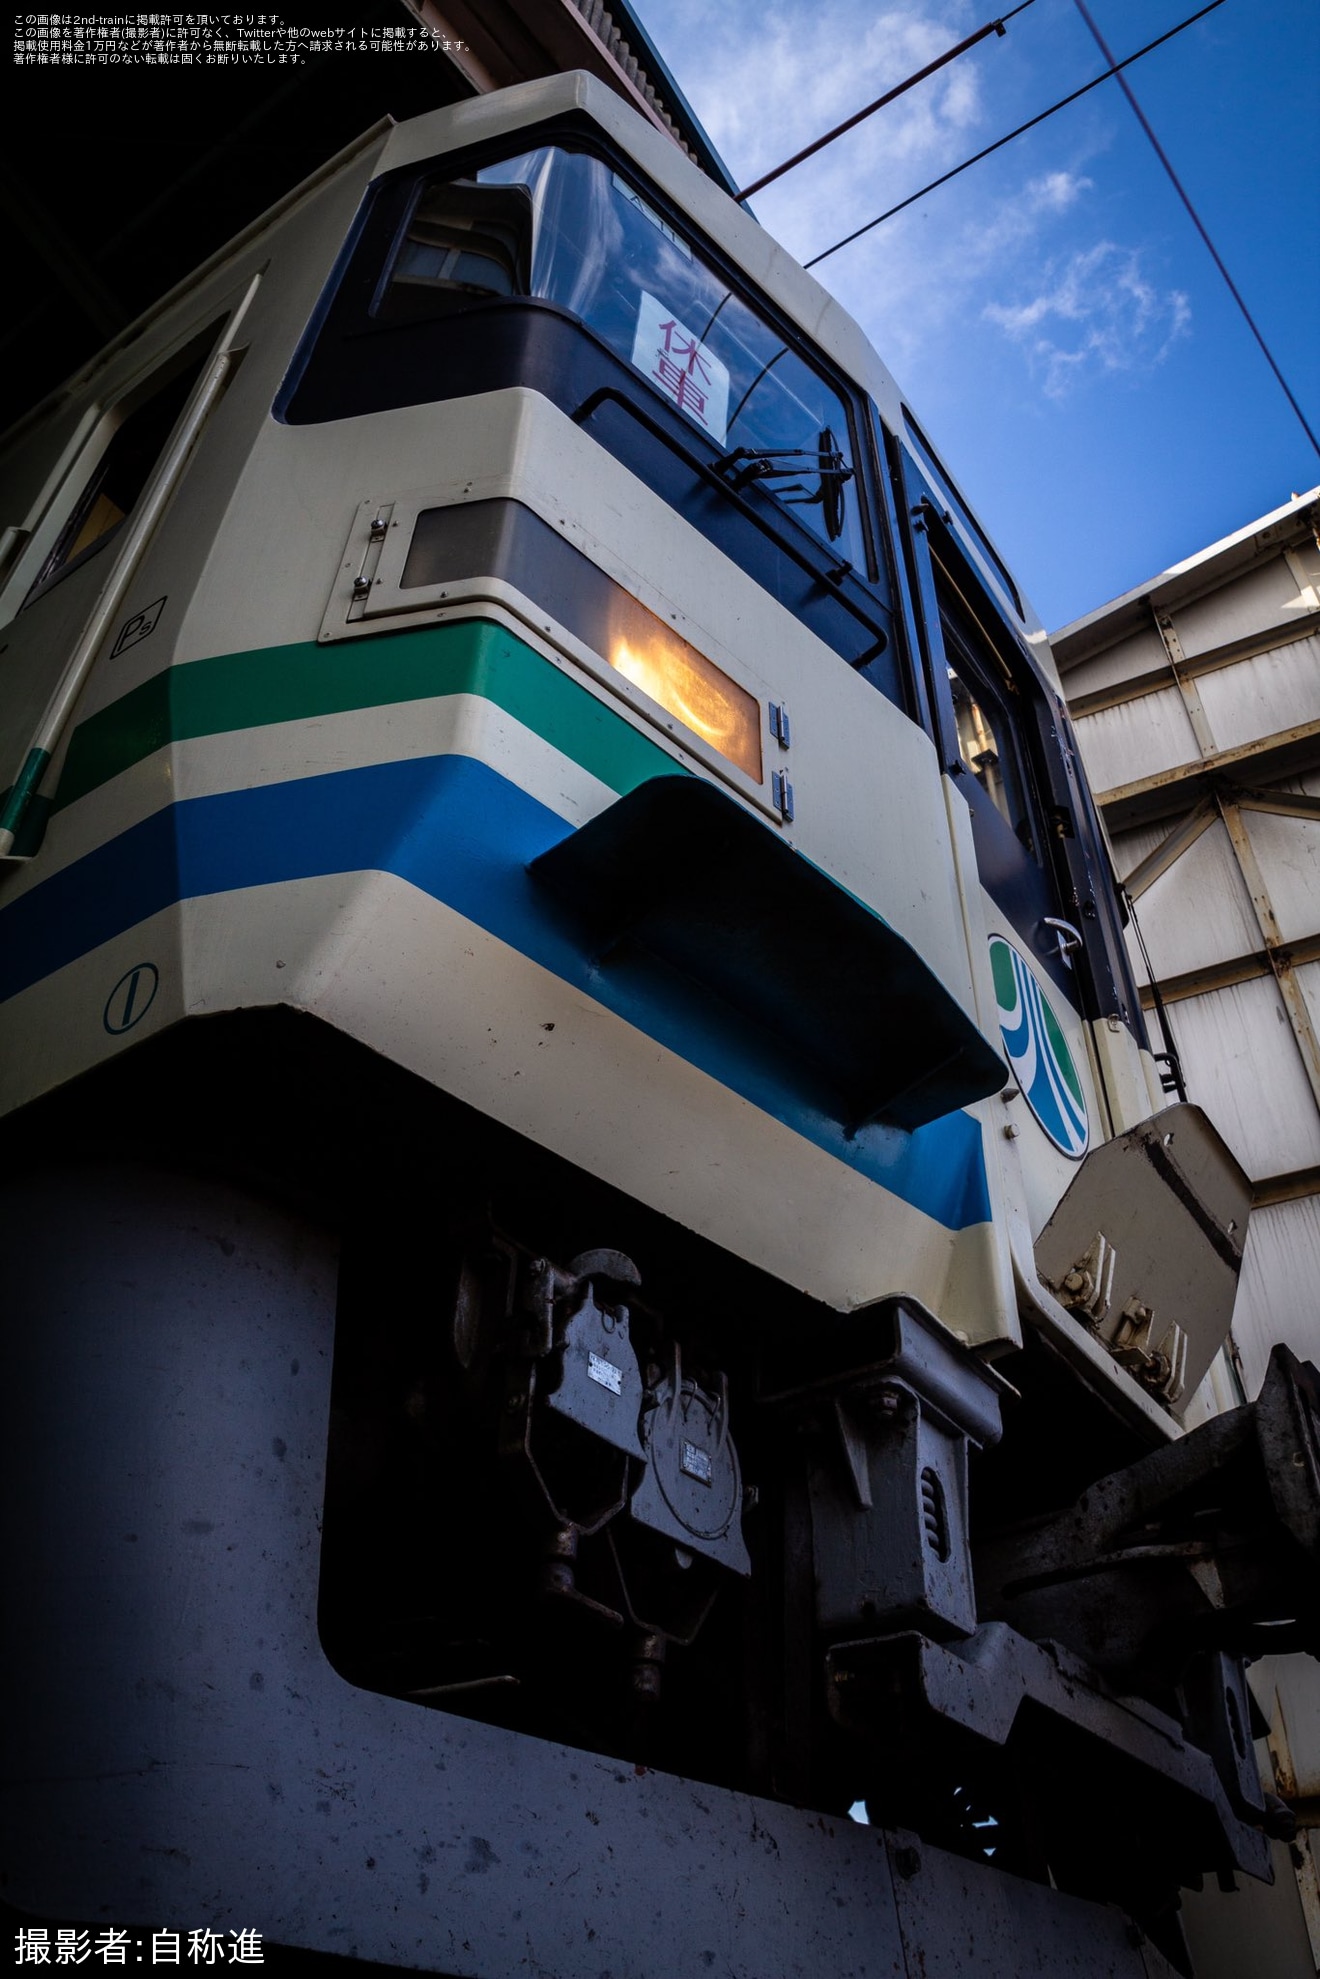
[{"x": 1196, "y": 575}]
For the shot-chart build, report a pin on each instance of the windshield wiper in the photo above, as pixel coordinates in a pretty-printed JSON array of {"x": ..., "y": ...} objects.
[{"x": 746, "y": 465}]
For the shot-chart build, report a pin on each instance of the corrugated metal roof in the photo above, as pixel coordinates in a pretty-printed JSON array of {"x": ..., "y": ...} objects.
[{"x": 1205, "y": 571}]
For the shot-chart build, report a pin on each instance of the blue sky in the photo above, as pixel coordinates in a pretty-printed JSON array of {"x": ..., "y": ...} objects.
[{"x": 1052, "y": 315}]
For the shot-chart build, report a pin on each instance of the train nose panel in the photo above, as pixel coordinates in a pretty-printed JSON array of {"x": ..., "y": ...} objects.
[{"x": 681, "y": 871}]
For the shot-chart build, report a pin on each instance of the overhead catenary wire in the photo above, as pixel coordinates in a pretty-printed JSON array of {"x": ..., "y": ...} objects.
[
  {"x": 1000, "y": 142},
  {"x": 999, "y": 26},
  {"x": 1198, "y": 223}
]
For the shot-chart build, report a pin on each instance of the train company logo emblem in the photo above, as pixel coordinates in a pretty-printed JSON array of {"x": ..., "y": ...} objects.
[{"x": 1038, "y": 1054}]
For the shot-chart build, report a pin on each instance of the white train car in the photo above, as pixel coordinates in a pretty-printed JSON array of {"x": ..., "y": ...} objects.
[{"x": 589, "y": 1201}]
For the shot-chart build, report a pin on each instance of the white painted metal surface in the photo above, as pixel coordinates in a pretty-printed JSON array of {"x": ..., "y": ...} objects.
[{"x": 247, "y": 556}]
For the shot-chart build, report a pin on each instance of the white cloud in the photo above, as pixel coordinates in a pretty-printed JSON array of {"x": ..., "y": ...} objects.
[
  {"x": 1055, "y": 192},
  {"x": 767, "y": 80},
  {"x": 1096, "y": 313},
  {"x": 941, "y": 286}
]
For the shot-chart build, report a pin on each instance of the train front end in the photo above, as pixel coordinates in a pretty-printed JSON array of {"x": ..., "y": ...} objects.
[{"x": 589, "y": 1187}]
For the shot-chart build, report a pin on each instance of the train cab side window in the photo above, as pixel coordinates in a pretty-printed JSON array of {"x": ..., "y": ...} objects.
[
  {"x": 988, "y": 719},
  {"x": 995, "y": 736},
  {"x": 133, "y": 437},
  {"x": 463, "y": 241},
  {"x": 940, "y": 478}
]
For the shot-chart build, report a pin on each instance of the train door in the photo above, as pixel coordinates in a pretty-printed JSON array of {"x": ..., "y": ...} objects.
[
  {"x": 1057, "y": 960},
  {"x": 91, "y": 484},
  {"x": 1003, "y": 737}
]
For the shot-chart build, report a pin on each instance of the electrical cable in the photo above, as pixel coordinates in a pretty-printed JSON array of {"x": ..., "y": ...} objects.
[
  {"x": 999, "y": 143},
  {"x": 998, "y": 27},
  {"x": 1198, "y": 223},
  {"x": 1173, "y": 1079}
]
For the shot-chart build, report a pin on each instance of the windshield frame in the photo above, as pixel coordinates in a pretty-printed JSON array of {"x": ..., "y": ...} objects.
[
  {"x": 558, "y": 257},
  {"x": 350, "y": 305}
]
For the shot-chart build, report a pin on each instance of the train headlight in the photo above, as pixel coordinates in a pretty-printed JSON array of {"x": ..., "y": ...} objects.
[{"x": 693, "y": 689}]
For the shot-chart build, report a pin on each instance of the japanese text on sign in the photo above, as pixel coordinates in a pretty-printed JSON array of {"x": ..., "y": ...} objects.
[{"x": 680, "y": 366}]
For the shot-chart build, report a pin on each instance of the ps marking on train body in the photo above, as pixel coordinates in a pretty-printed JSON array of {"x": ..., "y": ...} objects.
[
  {"x": 1038, "y": 1052},
  {"x": 139, "y": 627}
]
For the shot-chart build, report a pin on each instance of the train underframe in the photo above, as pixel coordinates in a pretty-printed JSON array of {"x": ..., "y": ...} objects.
[{"x": 435, "y": 1556}]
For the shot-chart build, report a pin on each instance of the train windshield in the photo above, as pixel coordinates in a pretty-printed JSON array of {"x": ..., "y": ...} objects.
[{"x": 564, "y": 227}]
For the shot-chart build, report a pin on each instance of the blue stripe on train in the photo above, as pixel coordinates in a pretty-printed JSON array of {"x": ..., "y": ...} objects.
[{"x": 459, "y": 831}]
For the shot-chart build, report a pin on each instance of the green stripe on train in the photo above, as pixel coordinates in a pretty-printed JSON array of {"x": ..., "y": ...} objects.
[{"x": 291, "y": 683}]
